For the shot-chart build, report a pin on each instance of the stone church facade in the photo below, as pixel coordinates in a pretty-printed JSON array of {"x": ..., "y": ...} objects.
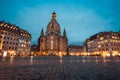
[{"x": 52, "y": 42}]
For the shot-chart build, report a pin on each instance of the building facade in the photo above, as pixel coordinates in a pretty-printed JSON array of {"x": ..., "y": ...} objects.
[
  {"x": 34, "y": 50},
  {"x": 104, "y": 43},
  {"x": 53, "y": 42},
  {"x": 14, "y": 40},
  {"x": 74, "y": 50}
]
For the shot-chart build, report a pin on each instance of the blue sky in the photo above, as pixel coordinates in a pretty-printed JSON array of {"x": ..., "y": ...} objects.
[{"x": 80, "y": 18}]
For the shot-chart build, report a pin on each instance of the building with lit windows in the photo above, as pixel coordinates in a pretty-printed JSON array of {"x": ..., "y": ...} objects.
[
  {"x": 104, "y": 43},
  {"x": 53, "y": 42},
  {"x": 84, "y": 47},
  {"x": 34, "y": 50},
  {"x": 74, "y": 50},
  {"x": 14, "y": 40}
]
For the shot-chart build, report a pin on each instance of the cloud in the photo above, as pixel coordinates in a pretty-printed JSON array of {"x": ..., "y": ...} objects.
[
  {"x": 82, "y": 23},
  {"x": 81, "y": 19}
]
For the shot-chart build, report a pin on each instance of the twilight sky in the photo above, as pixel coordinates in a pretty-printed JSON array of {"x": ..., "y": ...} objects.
[{"x": 80, "y": 18}]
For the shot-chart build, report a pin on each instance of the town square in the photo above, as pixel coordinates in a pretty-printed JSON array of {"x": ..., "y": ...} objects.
[{"x": 59, "y": 40}]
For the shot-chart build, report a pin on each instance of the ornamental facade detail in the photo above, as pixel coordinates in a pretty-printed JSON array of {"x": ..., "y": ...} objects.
[{"x": 52, "y": 42}]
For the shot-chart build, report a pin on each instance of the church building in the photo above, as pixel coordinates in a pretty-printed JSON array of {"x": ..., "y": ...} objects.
[{"x": 52, "y": 42}]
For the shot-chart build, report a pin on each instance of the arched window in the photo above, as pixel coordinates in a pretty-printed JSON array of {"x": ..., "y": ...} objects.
[{"x": 51, "y": 46}]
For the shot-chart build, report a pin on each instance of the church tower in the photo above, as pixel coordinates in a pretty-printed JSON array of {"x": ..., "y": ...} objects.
[
  {"x": 64, "y": 33},
  {"x": 53, "y": 26},
  {"x": 53, "y": 15},
  {"x": 52, "y": 42},
  {"x": 42, "y": 32}
]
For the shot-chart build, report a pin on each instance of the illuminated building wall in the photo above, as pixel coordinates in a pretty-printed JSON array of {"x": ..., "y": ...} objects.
[
  {"x": 53, "y": 42},
  {"x": 14, "y": 40},
  {"x": 85, "y": 46},
  {"x": 104, "y": 43},
  {"x": 74, "y": 50},
  {"x": 34, "y": 50}
]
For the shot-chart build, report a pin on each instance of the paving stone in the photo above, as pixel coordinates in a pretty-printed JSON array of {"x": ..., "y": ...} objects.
[{"x": 52, "y": 68}]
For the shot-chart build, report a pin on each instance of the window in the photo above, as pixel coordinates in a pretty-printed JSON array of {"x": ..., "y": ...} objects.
[
  {"x": 12, "y": 47},
  {"x": 101, "y": 38},
  {"x": 3, "y": 42},
  {"x": 6, "y": 33},
  {"x": 2, "y": 24},
  {"x": 99, "y": 46},
  {"x": 51, "y": 37},
  {"x": 5, "y": 37},
  {"x": 6, "y": 42},
  {"x": 51, "y": 44}
]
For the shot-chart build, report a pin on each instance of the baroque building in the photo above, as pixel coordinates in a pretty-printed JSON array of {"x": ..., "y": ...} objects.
[
  {"x": 103, "y": 43},
  {"x": 52, "y": 42},
  {"x": 14, "y": 40}
]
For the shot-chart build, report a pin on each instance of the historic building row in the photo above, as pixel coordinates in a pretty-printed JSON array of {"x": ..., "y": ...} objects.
[
  {"x": 14, "y": 40},
  {"x": 103, "y": 43}
]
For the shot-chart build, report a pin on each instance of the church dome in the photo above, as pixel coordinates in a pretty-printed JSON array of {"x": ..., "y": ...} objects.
[
  {"x": 53, "y": 25},
  {"x": 53, "y": 42}
]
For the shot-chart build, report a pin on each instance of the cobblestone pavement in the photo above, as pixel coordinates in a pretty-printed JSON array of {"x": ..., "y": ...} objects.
[{"x": 55, "y": 68}]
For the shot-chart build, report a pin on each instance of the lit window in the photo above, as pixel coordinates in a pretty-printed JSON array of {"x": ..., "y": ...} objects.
[
  {"x": 51, "y": 44},
  {"x": 105, "y": 41},
  {"x": 101, "y": 41},
  {"x": 113, "y": 37},
  {"x": 5, "y": 25},
  {"x": 2, "y": 24},
  {"x": 101, "y": 38},
  {"x": 29, "y": 42},
  {"x": 11, "y": 27},
  {"x": 20, "y": 41},
  {"x": 99, "y": 46},
  {"x": 22, "y": 45},
  {"x": 8, "y": 26},
  {"x": 51, "y": 37}
]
